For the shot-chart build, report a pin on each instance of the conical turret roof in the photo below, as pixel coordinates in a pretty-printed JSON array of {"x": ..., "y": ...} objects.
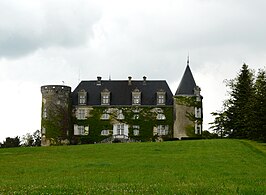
[{"x": 187, "y": 84}]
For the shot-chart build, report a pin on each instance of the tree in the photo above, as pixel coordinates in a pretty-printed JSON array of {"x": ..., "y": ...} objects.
[
  {"x": 11, "y": 142},
  {"x": 219, "y": 126},
  {"x": 32, "y": 139},
  {"x": 239, "y": 104},
  {"x": 27, "y": 140},
  {"x": 259, "y": 110},
  {"x": 37, "y": 138}
]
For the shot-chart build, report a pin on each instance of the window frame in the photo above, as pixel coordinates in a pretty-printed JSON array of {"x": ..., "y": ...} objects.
[
  {"x": 82, "y": 97},
  {"x": 105, "y": 97},
  {"x": 136, "y": 97},
  {"x": 81, "y": 114},
  {"x": 161, "y": 97}
]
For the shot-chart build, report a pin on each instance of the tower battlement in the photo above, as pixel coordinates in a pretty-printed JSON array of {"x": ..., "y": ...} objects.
[{"x": 55, "y": 89}]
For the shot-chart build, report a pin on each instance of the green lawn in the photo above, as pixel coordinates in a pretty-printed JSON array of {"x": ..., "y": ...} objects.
[{"x": 181, "y": 167}]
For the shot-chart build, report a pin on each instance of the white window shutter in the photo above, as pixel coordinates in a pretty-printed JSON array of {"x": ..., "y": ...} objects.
[
  {"x": 115, "y": 129},
  {"x": 76, "y": 130},
  {"x": 154, "y": 130},
  {"x": 86, "y": 132},
  {"x": 126, "y": 129}
]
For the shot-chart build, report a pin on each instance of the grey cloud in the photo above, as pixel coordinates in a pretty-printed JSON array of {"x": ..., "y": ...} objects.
[{"x": 24, "y": 29}]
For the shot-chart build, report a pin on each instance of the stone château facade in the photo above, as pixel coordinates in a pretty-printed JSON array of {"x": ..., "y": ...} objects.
[{"x": 121, "y": 111}]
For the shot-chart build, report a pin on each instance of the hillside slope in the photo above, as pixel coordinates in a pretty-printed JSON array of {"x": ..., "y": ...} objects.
[{"x": 181, "y": 167}]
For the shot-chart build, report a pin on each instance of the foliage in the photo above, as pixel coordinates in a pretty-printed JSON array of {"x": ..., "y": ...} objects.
[
  {"x": 190, "y": 101},
  {"x": 11, "y": 142},
  {"x": 208, "y": 135},
  {"x": 32, "y": 139},
  {"x": 243, "y": 115},
  {"x": 58, "y": 122},
  {"x": 146, "y": 120},
  {"x": 239, "y": 104},
  {"x": 259, "y": 108},
  {"x": 219, "y": 126},
  {"x": 27, "y": 140},
  {"x": 177, "y": 167}
]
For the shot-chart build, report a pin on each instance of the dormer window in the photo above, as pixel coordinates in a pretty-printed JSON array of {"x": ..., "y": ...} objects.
[
  {"x": 105, "y": 97},
  {"x": 82, "y": 97},
  {"x": 161, "y": 97},
  {"x": 136, "y": 97}
]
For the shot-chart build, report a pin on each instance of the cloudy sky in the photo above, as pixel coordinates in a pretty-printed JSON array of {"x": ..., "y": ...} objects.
[{"x": 51, "y": 41}]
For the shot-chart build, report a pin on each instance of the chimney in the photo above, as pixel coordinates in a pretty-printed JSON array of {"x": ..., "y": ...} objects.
[
  {"x": 129, "y": 80},
  {"x": 99, "y": 80},
  {"x": 144, "y": 80}
]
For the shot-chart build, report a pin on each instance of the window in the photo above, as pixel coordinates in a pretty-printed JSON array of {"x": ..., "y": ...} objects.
[
  {"x": 136, "y": 97},
  {"x": 197, "y": 128},
  {"x": 160, "y": 116},
  {"x": 82, "y": 96},
  {"x": 81, "y": 114},
  {"x": 136, "y": 116},
  {"x": 162, "y": 130},
  {"x": 105, "y": 116},
  {"x": 161, "y": 97},
  {"x": 120, "y": 129},
  {"x": 105, "y": 97},
  {"x": 135, "y": 130},
  {"x": 105, "y": 132},
  {"x": 81, "y": 130},
  {"x": 44, "y": 113},
  {"x": 198, "y": 112},
  {"x": 120, "y": 115},
  {"x": 43, "y": 130}
]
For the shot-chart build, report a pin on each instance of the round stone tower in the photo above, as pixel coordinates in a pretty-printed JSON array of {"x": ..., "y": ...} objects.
[{"x": 56, "y": 126}]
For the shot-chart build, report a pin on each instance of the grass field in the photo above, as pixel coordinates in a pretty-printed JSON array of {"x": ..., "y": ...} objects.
[{"x": 181, "y": 167}]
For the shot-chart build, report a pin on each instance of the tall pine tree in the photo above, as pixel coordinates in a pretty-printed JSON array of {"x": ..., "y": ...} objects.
[
  {"x": 259, "y": 110},
  {"x": 240, "y": 103}
]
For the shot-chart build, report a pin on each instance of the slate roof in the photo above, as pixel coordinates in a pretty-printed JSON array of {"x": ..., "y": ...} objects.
[
  {"x": 121, "y": 91},
  {"x": 187, "y": 84}
]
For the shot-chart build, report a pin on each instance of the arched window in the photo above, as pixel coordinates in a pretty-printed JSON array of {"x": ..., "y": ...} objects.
[{"x": 160, "y": 116}]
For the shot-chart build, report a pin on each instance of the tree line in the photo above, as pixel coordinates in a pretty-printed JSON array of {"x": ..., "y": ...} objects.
[
  {"x": 243, "y": 114},
  {"x": 26, "y": 140}
]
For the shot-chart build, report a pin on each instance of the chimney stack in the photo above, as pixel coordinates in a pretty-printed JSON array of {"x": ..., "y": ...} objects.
[
  {"x": 129, "y": 80},
  {"x": 144, "y": 80},
  {"x": 99, "y": 80}
]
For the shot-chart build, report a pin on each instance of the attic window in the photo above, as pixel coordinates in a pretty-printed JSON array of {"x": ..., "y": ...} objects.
[
  {"x": 105, "y": 97},
  {"x": 161, "y": 97},
  {"x": 136, "y": 97},
  {"x": 82, "y": 97}
]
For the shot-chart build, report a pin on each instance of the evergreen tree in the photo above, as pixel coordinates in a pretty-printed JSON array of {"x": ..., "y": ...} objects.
[
  {"x": 239, "y": 104},
  {"x": 259, "y": 110},
  {"x": 219, "y": 124}
]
